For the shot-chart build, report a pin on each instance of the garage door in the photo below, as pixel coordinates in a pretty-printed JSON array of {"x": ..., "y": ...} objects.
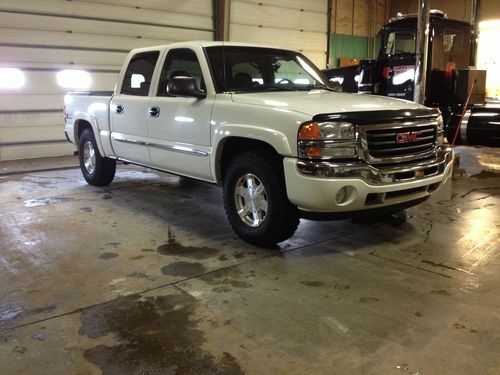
[
  {"x": 297, "y": 24},
  {"x": 39, "y": 39}
]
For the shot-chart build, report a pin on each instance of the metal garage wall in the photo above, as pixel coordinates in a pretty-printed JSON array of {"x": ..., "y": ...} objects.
[
  {"x": 297, "y": 24},
  {"x": 44, "y": 37}
]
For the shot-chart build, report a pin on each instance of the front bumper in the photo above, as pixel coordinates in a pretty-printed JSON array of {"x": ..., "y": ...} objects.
[{"x": 314, "y": 186}]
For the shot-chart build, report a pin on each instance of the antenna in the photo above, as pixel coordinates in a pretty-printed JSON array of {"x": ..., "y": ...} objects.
[{"x": 224, "y": 65}]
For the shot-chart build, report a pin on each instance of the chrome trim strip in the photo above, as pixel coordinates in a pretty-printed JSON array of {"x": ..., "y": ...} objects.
[
  {"x": 463, "y": 127},
  {"x": 400, "y": 125},
  {"x": 128, "y": 140},
  {"x": 377, "y": 176},
  {"x": 180, "y": 149}
]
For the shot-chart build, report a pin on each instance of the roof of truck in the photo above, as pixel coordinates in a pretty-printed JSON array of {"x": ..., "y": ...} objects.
[
  {"x": 206, "y": 43},
  {"x": 411, "y": 19}
]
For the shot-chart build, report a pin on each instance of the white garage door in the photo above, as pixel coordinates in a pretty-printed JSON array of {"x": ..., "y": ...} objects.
[
  {"x": 297, "y": 24},
  {"x": 41, "y": 38}
]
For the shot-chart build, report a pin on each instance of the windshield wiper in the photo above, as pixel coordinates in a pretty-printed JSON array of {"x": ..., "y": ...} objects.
[
  {"x": 316, "y": 87},
  {"x": 262, "y": 89}
]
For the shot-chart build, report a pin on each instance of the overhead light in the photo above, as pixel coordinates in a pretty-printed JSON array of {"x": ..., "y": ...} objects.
[
  {"x": 11, "y": 78},
  {"x": 73, "y": 79}
]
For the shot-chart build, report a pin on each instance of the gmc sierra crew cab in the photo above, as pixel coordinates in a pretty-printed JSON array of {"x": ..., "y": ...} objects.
[{"x": 264, "y": 124}]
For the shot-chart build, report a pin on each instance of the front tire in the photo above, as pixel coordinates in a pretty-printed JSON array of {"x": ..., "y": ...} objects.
[
  {"x": 256, "y": 202},
  {"x": 96, "y": 170}
]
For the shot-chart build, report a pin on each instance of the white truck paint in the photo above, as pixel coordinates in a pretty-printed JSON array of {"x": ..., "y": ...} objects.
[{"x": 266, "y": 126}]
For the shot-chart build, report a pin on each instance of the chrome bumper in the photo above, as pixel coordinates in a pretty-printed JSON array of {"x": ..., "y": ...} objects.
[{"x": 379, "y": 175}]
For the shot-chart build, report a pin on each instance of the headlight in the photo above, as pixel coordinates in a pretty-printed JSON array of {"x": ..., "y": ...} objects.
[
  {"x": 327, "y": 131},
  {"x": 326, "y": 140}
]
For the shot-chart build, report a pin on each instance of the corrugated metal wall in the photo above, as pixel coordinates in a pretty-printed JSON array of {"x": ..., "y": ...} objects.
[
  {"x": 43, "y": 37},
  {"x": 297, "y": 24}
]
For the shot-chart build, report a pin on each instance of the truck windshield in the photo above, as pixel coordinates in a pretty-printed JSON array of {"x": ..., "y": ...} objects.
[
  {"x": 400, "y": 42},
  {"x": 255, "y": 69}
]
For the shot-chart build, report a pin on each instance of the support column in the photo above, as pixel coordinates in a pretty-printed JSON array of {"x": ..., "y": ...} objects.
[{"x": 422, "y": 51}]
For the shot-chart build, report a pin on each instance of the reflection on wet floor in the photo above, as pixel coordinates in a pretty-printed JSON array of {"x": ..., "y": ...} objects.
[{"x": 146, "y": 276}]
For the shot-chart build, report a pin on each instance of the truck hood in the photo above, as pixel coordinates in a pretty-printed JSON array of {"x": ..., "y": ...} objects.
[{"x": 321, "y": 101}]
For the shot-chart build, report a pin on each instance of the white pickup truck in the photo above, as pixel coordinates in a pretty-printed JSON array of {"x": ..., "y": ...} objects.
[{"x": 265, "y": 124}]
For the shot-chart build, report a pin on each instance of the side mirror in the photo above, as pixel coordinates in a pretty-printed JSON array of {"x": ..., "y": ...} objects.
[{"x": 184, "y": 86}]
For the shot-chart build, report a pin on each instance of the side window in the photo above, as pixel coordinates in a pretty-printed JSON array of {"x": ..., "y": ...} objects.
[
  {"x": 180, "y": 62},
  {"x": 139, "y": 72}
]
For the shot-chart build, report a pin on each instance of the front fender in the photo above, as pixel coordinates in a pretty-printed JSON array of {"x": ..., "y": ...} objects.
[{"x": 274, "y": 138}]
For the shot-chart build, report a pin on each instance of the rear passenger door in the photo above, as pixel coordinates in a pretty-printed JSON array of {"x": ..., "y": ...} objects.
[
  {"x": 179, "y": 127},
  {"x": 128, "y": 112}
]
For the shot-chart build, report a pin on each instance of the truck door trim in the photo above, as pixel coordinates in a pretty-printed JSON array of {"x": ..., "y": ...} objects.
[{"x": 180, "y": 149}]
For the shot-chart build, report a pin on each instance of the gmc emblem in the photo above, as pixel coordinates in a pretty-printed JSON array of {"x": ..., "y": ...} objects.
[{"x": 408, "y": 137}]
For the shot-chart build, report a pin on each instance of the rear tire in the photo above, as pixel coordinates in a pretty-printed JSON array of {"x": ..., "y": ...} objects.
[
  {"x": 256, "y": 202},
  {"x": 96, "y": 170}
]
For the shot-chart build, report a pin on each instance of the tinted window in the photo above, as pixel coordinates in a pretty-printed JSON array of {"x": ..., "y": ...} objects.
[
  {"x": 139, "y": 72},
  {"x": 180, "y": 62}
]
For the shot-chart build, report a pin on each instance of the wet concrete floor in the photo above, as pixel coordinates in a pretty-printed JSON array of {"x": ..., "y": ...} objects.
[{"x": 145, "y": 276}]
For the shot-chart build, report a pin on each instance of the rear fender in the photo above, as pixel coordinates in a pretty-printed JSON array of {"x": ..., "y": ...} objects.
[{"x": 80, "y": 117}]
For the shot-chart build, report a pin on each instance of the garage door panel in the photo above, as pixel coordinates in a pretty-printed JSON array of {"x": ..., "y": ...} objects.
[
  {"x": 306, "y": 5},
  {"x": 35, "y": 119},
  {"x": 50, "y": 55},
  {"x": 199, "y": 7},
  {"x": 281, "y": 37},
  {"x": 102, "y": 28},
  {"x": 277, "y": 17},
  {"x": 36, "y": 150},
  {"x": 16, "y": 102},
  {"x": 39, "y": 38},
  {"x": 318, "y": 58},
  {"x": 110, "y": 12},
  {"x": 296, "y": 24},
  {"x": 55, "y": 131},
  {"x": 45, "y": 82}
]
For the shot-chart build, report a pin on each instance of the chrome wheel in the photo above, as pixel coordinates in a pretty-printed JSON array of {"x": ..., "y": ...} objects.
[
  {"x": 251, "y": 200},
  {"x": 89, "y": 157}
]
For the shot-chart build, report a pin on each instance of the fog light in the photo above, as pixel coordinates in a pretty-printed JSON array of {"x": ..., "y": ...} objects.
[
  {"x": 345, "y": 195},
  {"x": 341, "y": 195}
]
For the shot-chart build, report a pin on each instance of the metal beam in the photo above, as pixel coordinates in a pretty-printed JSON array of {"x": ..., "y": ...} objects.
[{"x": 421, "y": 51}]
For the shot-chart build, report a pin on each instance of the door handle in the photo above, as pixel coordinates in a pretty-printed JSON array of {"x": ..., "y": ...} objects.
[
  {"x": 119, "y": 109},
  {"x": 154, "y": 112}
]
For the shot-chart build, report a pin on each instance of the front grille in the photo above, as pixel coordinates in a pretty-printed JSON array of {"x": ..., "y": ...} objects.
[{"x": 402, "y": 141}]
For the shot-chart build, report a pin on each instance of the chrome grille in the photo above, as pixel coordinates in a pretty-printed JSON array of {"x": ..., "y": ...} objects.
[{"x": 400, "y": 141}]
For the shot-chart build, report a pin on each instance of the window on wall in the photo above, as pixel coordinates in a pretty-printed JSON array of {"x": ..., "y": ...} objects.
[
  {"x": 11, "y": 78},
  {"x": 73, "y": 79},
  {"x": 488, "y": 56},
  {"x": 139, "y": 73}
]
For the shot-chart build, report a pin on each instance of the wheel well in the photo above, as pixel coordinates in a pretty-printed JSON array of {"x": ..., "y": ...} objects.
[
  {"x": 80, "y": 126},
  {"x": 234, "y": 146}
]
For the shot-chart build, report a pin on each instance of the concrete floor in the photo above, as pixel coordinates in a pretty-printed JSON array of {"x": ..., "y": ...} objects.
[{"x": 146, "y": 277}]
